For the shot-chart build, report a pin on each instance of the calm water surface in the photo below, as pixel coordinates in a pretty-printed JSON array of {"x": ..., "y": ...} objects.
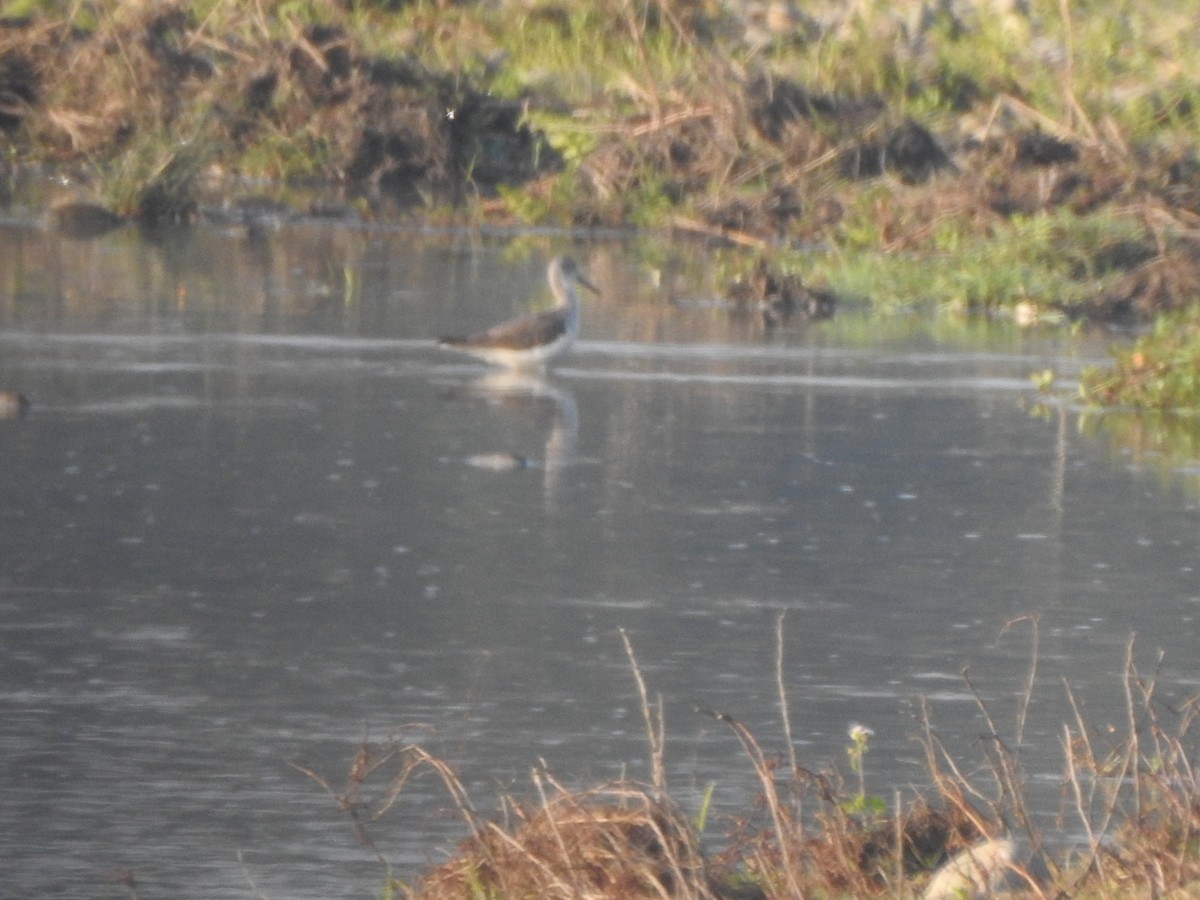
[{"x": 255, "y": 515}]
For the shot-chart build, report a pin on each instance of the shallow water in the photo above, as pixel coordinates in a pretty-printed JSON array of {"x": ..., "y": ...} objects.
[{"x": 254, "y": 515}]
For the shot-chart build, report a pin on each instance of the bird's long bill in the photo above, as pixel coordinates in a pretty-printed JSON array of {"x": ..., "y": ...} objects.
[{"x": 587, "y": 284}]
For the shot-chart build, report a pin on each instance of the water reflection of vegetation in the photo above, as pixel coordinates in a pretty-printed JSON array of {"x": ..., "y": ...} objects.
[
  {"x": 1151, "y": 394},
  {"x": 1168, "y": 441}
]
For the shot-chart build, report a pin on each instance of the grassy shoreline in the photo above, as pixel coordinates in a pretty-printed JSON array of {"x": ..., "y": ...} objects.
[
  {"x": 1130, "y": 789},
  {"x": 1037, "y": 161},
  {"x": 973, "y": 157}
]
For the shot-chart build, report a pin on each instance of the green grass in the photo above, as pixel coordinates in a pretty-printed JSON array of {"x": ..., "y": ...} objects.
[
  {"x": 1160, "y": 371},
  {"x": 645, "y": 113},
  {"x": 1049, "y": 259}
]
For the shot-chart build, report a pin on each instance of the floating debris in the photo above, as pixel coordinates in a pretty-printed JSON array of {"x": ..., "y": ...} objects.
[
  {"x": 258, "y": 215},
  {"x": 13, "y": 405},
  {"x": 777, "y": 297},
  {"x": 497, "y": 462}
]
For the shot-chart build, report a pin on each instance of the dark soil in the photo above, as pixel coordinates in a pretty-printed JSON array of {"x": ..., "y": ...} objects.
[
  {"x": 156, "y": 106},
  {"x": 387, "y": 129}
]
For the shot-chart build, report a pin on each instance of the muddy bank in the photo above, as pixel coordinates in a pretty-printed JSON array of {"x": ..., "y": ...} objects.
[
  {"x": 205, "y": 105},
  {"x": 916, "y": 130}
]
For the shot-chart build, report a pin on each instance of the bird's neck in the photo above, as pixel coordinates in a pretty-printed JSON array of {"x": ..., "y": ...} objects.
[{"x": 565, "y": 296}]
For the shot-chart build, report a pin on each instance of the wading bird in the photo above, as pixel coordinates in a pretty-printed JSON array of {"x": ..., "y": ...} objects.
[{"x": 532, "y": 340}]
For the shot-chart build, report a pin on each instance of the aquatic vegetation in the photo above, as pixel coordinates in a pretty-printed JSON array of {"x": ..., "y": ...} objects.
[{"x": 1159, "y": 371}]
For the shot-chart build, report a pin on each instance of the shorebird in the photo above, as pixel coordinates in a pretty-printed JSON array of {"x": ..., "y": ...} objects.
[{"x": 530, "y": 341}]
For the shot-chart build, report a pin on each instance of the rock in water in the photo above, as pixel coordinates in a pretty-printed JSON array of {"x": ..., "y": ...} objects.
[
  {"x": 972, "y": 873},
  {"x": 80, "y": 220}
]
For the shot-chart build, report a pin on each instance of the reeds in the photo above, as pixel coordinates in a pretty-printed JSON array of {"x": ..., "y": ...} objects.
[
  {"x": 1133, "y": 793},
  {"x": 1137, "y": 795}
]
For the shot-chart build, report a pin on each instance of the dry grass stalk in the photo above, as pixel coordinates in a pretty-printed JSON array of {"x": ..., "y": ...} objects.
[
  {"x": 1138, "y": 803},
  {"x": 788, "y": 827},
  {"x": 602, "y": 844},
  {"x": 376, "y": 757},
  {"x": 655, "y": 723},
  {"x": 780, "y": 686}
]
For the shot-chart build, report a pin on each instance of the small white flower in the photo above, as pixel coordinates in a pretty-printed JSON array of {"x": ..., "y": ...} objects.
[{"x": 859, "y": 732}]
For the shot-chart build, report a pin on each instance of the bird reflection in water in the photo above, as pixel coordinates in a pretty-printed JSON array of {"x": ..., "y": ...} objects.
[{"x": 526, "y": 390}]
